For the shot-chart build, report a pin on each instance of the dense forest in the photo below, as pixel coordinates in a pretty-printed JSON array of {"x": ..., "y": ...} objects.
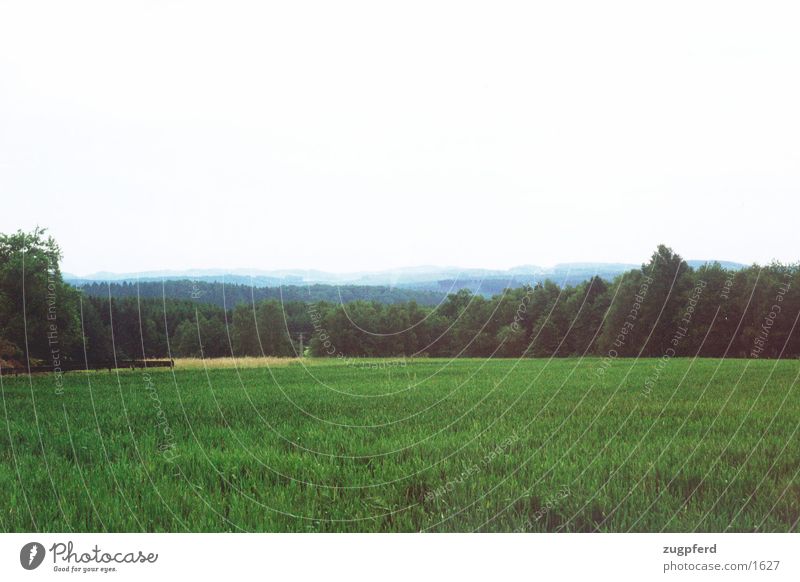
[
  {"x": 665, "y": 308},
  {"x": 231, "y": 294}
]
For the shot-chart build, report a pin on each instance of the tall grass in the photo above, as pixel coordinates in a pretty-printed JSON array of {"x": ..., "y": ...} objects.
[{"x": 498, "y": 445}]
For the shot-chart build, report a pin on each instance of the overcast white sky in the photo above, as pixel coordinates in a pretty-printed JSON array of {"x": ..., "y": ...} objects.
[{"x": 347, "y": 136}]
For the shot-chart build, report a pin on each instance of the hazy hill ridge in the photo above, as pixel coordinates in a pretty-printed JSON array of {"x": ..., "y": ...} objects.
[{"x": 427, "y": 285}]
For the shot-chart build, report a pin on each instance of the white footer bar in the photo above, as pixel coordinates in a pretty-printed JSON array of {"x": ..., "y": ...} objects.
[{"x": 354, "y": 557}]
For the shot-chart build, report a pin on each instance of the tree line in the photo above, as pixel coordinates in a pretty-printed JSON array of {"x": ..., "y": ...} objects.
[
  {"x": 230, "y": 294},
  {"x": 665, "y": 308}
]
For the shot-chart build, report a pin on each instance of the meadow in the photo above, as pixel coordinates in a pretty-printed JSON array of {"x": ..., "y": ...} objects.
[{"x": 315, "y": 445}]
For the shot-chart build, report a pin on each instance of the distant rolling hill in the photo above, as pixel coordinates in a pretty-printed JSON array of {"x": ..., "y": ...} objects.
[{"x": 427, "y": 285}]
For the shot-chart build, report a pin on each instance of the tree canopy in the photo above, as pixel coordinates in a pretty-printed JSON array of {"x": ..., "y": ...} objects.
[{"x": 663, "y": 308}]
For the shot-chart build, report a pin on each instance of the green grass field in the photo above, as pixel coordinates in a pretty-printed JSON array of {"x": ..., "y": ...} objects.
[{"x": 464, "y": 445}]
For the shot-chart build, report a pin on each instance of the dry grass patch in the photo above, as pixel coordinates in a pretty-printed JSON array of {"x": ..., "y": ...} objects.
[{"x": 225, "y": 363}]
